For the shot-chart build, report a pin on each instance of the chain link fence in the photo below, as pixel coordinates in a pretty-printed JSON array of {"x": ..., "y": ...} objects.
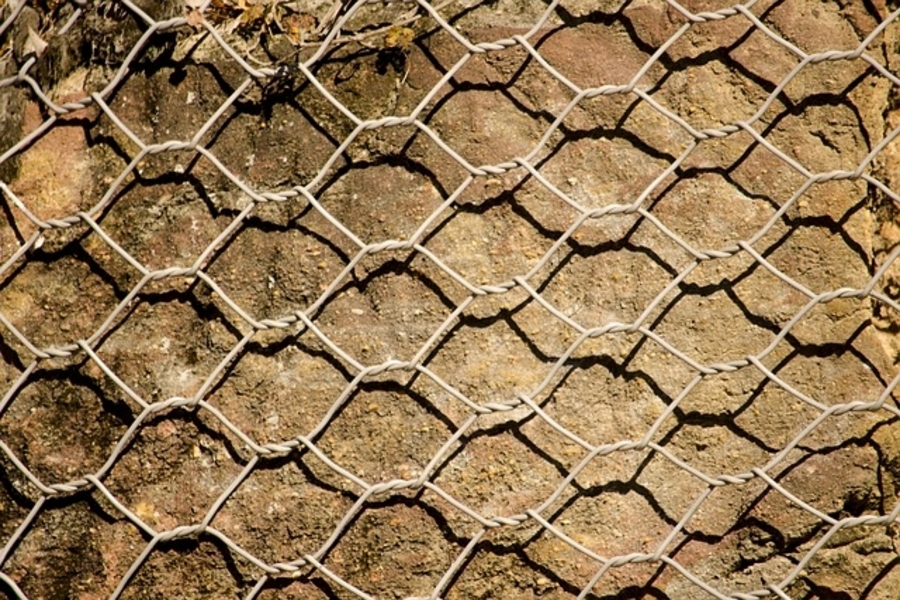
[{"x": 501, "y": 299}]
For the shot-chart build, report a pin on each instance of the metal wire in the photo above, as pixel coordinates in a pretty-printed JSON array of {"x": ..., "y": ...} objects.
[{"x": 368, "y": 490}]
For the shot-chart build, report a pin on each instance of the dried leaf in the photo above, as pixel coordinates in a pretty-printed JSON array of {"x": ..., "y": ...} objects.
[
  {"x": 293, "y": 29},
  {"x": 400, "y": 38},
  {"x": 193, "y": 12},
  {"x": 220, "y": 11},
  {"x": 307, "y": 22},
  {"x": 34, "y": 44},
  {"x": 194, "y": 18},
  {"x": 253, "y": 14}
]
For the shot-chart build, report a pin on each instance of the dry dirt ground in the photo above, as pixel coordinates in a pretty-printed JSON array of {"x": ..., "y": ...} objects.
[{"x": 474, "y": 353}]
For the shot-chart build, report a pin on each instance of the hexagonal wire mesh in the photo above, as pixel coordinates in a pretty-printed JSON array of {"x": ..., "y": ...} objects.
[{"x": 335, "y": 300}]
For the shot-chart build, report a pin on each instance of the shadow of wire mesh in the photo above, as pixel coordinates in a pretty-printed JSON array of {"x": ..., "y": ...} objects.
[{"x": 512, "y": 299}]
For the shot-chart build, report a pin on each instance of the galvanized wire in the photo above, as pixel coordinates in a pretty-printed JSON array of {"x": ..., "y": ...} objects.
[{"x": 304, "y": 320}]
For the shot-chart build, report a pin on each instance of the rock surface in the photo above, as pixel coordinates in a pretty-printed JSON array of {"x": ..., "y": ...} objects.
[{"x": 291, "y": 209}]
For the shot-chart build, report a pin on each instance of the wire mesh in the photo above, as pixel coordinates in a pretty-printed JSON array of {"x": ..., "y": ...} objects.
[{"x": 447, "y": 330}]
